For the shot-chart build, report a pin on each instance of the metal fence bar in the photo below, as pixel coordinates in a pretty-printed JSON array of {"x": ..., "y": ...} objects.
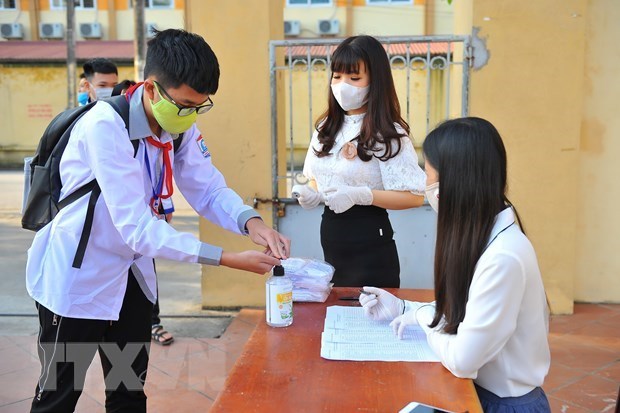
[
  {"x": 449, "y": 64},
  {"x": 274, "y": 129},
  {"x": 408, "y": 82},
  {"x": 428, "y": 87},
  {"x": 290, "y": 112},
  {"x": 467, "y": 62}
]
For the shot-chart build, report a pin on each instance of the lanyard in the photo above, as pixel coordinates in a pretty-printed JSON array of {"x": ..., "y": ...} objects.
[{"x": 165, "y": 178}]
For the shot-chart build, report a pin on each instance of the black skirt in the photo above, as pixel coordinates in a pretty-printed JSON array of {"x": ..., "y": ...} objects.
[{"x": 359, "y": 244}]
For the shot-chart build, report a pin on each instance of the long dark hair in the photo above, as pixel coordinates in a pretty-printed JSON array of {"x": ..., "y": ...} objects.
[
  {"x": 383, "y": 107},
  {"x": 470, "y": 159}
]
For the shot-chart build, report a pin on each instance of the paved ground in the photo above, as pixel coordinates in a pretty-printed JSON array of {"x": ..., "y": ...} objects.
[
  {"x": 179, "y": 283},
  {"x": 187, "y": 376}
]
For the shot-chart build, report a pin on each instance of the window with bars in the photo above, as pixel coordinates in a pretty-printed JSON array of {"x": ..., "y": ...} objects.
[
  {"x": 8, "y": 4},
  {"x": 309, "y": 2},
  {"x": 79, "y": 4}
]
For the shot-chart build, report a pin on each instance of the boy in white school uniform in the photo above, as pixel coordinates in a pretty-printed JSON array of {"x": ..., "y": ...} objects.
[{"x": 106, "y": 304}]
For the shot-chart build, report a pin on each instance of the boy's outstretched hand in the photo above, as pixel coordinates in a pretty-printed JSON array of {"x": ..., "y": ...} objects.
[
  {"x": 254, "y": 261},
  {"x": 277, "y": 244}
]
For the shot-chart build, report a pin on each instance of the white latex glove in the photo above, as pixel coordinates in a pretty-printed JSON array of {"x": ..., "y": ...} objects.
[
  {"x": 341, "y": 198},
  {"x": 421, "y": 314},
  {"x": 306, "y": 195},
  {"x": 381, "y": 305}
]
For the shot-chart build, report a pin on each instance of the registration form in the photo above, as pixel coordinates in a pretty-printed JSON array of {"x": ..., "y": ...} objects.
[{"x": 349, "y": 335}]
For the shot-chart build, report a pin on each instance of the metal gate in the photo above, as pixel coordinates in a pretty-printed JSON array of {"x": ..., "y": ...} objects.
[{"x": 431, "y": 75}]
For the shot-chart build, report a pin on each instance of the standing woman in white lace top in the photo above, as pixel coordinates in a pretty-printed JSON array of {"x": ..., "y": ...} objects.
[{"x": 361, "y": 162}]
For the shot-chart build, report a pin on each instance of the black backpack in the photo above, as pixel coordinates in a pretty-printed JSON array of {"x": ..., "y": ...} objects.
[{"x": 42, "y": 203}]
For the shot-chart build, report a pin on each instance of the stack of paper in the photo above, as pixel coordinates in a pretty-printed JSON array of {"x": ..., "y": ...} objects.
[
  {"x": 311, "y": 278},
  {"x": 349, "y": 335}
]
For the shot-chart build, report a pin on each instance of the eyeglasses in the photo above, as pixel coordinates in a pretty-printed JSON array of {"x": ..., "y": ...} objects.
[{"x": 185, "y": 110}]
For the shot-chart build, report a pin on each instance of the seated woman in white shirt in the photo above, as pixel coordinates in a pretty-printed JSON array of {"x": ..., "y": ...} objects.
[{"x": 489, "y": 321}]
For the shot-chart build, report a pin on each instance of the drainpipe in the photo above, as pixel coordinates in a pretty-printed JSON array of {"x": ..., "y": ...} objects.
[
  {"x": 112, "y": 34},
  {"x": 429, "y": 17},
  {"x": 349, "y": 17},
  {"x": 139, "y": 41},
  {"x": 33, "y": 15},
  {"x": 187, "y": 15},
  {"x": 71, "y": 61}
]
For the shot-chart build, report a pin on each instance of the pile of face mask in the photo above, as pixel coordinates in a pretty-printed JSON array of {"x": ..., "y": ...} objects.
[{"x": 311, "y": 278}]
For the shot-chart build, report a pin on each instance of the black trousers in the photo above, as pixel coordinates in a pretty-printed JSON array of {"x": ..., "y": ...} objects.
[
  {"x": 155, "y": 320},
  {"x": 67, "y": 346},
  {"x": 359, "y": 244}
]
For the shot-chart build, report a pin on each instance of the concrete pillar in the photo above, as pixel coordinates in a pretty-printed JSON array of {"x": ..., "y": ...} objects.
[
  {"x": 531, "y": 90},
  {"x": 237, "y": 130}
]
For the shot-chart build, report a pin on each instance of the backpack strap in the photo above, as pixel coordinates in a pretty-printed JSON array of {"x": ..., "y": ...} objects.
[
  {"x": 176, "y": 144},
  {"x": 77, "y": 194},
  {"x": 121, "y": 106},
  {"x": 88, "y": 225}
]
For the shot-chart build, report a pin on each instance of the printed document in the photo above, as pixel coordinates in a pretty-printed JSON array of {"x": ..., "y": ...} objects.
[{"x": 349, "y": 335}]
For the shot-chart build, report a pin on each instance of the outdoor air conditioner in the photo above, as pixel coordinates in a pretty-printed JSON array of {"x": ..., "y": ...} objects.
[
  {"x": 51, "y": 31},
  {"x": 12, "y": 30},
  {"x": 292, "y": 27},
  {"x": 90, "y": 30},
  {"x": 328, "y": 26},
  {"x": 150, "y": 27}
]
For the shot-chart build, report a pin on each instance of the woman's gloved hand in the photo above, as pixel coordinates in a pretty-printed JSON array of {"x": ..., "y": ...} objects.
[
  {"x": 306, "y": 195},
  {"x": 381, "y": 305},
  {"x": 342, "y": 198},
  {"x": 421, "y": 314}
]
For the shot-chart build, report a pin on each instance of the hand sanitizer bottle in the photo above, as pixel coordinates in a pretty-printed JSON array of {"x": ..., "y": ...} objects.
[{"x": 279, "y": 298}]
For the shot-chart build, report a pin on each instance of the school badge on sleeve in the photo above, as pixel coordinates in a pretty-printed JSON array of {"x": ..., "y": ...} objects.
[{"x": 203, "y": 147}]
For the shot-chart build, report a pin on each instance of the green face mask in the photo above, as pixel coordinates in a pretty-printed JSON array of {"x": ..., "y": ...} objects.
[{"x": 166, "y": 114}]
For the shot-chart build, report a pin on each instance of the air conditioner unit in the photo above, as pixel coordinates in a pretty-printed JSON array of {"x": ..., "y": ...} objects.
[
  {"x": 328, "y": 26},
  {"x": 12, "y": 30},
  {"x": 292, "y": 27},
  {"x": 51, "y": 31},
  {"x": 90, "y": 30},
  {"x": 150, "y": 29}
]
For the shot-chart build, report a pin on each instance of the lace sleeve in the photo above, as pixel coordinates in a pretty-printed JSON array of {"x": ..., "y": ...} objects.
[
  {"x": 402, "y": 172},
  {"x": 311, "y": 157}
]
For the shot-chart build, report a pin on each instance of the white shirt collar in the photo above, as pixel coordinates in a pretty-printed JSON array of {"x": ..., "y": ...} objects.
[
  {"x": 138, "y": 122},
  {"x": 502, "y": 221}
]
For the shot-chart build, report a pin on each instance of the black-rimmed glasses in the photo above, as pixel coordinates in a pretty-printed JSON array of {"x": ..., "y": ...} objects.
[{"x": 185, "y": 110}]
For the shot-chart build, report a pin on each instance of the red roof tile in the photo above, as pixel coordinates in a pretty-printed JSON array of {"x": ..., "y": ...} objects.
[
  {"x": 415, "y": 49},
  {"x": 123, "y": 50},
  {"x": 19, "y": 51}
]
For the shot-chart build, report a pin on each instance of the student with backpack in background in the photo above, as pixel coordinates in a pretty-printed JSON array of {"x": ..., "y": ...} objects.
[
  {"x": 101, "y": 75},
  {"x": 82, "y": 90},
  {"x": 106, "y": 304},
  {"x": 122, "y": 87}
]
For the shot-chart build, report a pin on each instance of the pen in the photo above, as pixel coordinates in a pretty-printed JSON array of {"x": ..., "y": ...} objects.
[
  {"x": 352, "y": 297},
  {"x": 348, "y": 298}
]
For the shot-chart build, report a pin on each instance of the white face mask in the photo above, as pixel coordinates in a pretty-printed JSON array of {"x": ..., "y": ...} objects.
[
  {"x": 103, "y": 92},
  {"x": 432, "y": 194},
  {"x": 350, "y": 97}
]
